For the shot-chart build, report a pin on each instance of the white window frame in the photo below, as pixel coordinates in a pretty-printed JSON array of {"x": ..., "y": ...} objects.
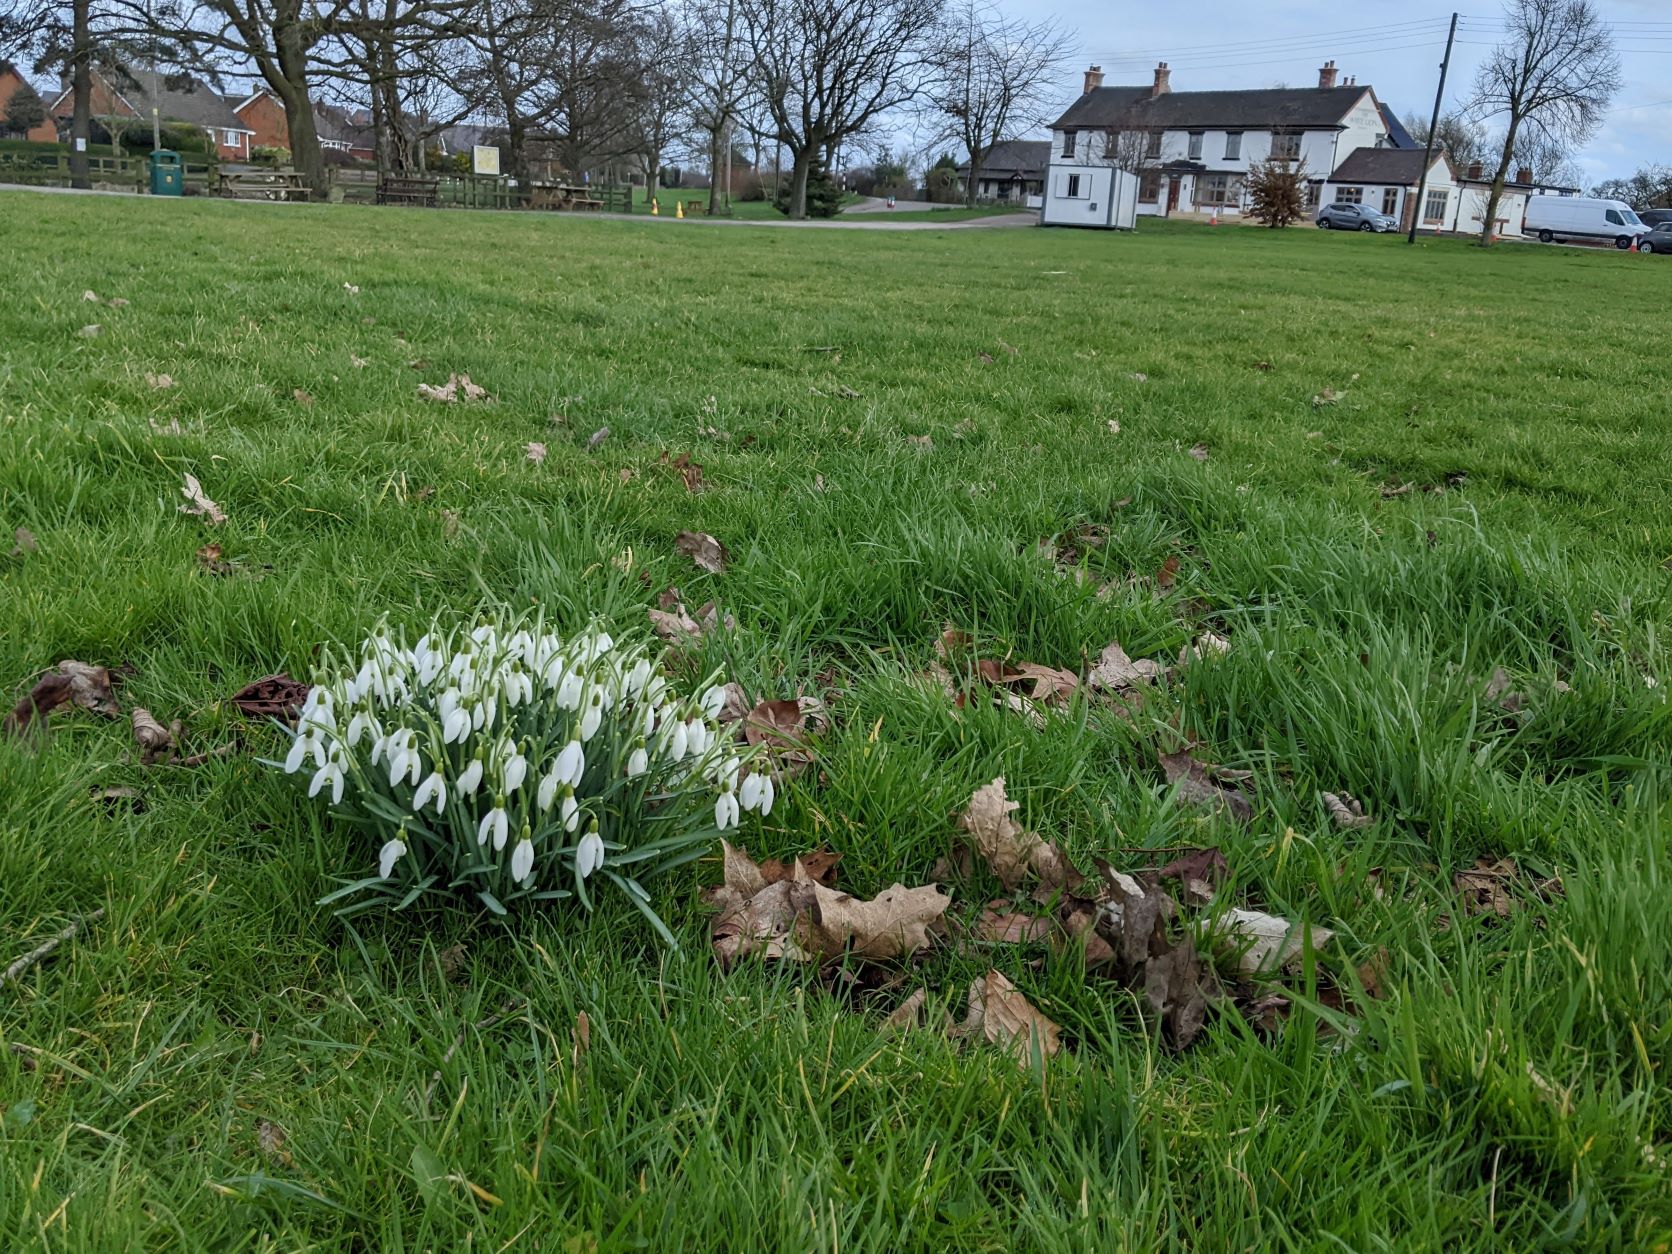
[{"x": 1233, "y": 145}]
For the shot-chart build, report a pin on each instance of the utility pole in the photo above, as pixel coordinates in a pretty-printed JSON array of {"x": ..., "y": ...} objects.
[
  {"x": 156, "y": 118},
  {"x": 1433, "y": 124}
]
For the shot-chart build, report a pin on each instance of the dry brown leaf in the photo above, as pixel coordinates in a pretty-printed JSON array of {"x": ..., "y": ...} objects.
[
  {"x": 71, "y": 683},
  {"x": 582, "y": 1037},
  {"x": 1114, "y": 670},
  {"x": 271, "y": 1139},
  {"x": 535, "y": 452},
  {"x": 1007, "y": 348},
  {"x": 272, "y": 696},
  {"x": 1200, "y": 873},
  {"x": 1329, "y": 396},
  {"x": 704, "y": 550},
  {"x": 1168, "y": 575},
  {"x": 159, "y": 382},
  {"x": 893, "y": 924},
  {"x": 1207, "y": 645},
  {"x": 23, "y": 542},
  {"x": 448, "y": 393},
  {"x": 689, "y": 471},
  {"x": 1196, "y": 786},
  {"x": 924, "y": 442},
  {"x": 173, "y": 427},
  {"x": 1265, "y": 942},
  {"x": 1009, "y": 928},
  {"x": 156, "y": 742},
  {"x": 358, "y": 362},
  {"x": 90, "y": 296},
  {"x": 1199, "y": 452},
  {"x": 91, "y": 331},
  {"x": 301, "y": 396},
  {"x": 760, "y": 923},
  {"x": 198, "y": 503},
  {"x": 1009, "y": 851},
  {"x": 597, "y": 438},
  {"x": 1003, "y": 1017},
  {"x": 209, "y": 557},
  {"x": 1176, "y": 986},
  {"x": 1345, "y": 811},
  {"x": 1485, "y": 887},
  {"x": 907, "y": 1015},
  {"x": 777, "y": 724}
]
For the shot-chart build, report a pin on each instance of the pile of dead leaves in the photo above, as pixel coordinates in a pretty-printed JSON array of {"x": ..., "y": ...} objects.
[
  {"x": 1127, "y": 926},
  {"x": 69, "y": 683},
  {"x": 457, "y": 386}
]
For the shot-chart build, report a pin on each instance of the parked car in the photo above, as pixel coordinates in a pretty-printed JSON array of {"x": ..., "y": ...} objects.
[
  {"x": 1658, "y": 240},
  {"x": 1344, "y": 217},
  {"x": 1557, "y": 218},
  {"x": 1655, "y": 217}
]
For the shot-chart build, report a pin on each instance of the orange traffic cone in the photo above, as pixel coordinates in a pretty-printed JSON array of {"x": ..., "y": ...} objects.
[
  {"x": 655, "y": 209},
  {"x": 679, "y": 209},
  {"x": 1214, "y": 220}
]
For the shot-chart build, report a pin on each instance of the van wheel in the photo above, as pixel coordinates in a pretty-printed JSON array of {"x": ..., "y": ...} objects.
[
  {"x": 1623, "y": 242},
  {"x": 1546, "y": 237}
]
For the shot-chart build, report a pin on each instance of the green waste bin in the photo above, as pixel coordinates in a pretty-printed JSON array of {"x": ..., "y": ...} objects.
[{"x": 168, "y": 177}]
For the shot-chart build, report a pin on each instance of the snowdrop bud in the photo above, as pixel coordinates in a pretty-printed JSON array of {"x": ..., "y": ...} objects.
[
  {"x": 516, "y": 770},
  {"x": 589, "y": 854},
  {"x": 455, "y": 726},
  {"x": 638, "y": 677},
  {"x": 495, "y": 823},
  {"x": 358, "y": 726},
  {"x": 696, "y": 737},
  {"x": 471, "y": 780},
  {"x": 649, "y": 724},
  {"x": 433, "y": 788},
  {"x": 713, "y": 701},
  {"x": 380, "y": 746},
  {"x": 638, "y": 762},
  {"x": 725, "y": 810},
  {"x": 415, "y": 768},
  {"x": 593, "y": 716},
  {"x": 547, "y": 793},
  {"x": 768, "y": 795},
  {"x": 570, "y": 811},
  {"x": 391, "y": 853},
  {"x": 522, "y": 859},
  {"x": 678, "y": 742},
  {"x": 569, "y": 692},
  {"x": 750, "y": 794}
]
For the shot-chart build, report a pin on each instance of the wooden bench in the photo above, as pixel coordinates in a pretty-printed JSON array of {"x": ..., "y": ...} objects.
[
  {"x": 696, "y": 208},
  {"x": 561, "y": 196},
  {"x": 587, "y": 204},
  {"x": 250, "y": 184},
  {"x": 403, "y": 190}
]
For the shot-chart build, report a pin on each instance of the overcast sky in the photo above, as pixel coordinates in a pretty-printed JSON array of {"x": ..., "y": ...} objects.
[{"x": 1394, "y": 48}]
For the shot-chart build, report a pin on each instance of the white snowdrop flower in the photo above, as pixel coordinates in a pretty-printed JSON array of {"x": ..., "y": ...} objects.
[
  {"x": 390, "y": 854},
  {"x": 678, "y": 742},
  {"x": 696, "y": 737},
  {"x": 519, "y": 687},
  {"x": 655, "y": 690},
  {"x": 638, "y": 677},
  {"x": 490, "y": 712},
  {"x": 750, "y": 793},
  {"x": 434, "y": 788},
  {"x": 638, "y": 762},
  {"x": 592, "y": 718},
  {"x": 713, "y": 701},
  {"x": 319, "y": 700},
  {"x": 649, "y": 724},
  {"x": 569, "y": 691},
  {"x": 484, "y": 635},
  {"x": 298, "y": 752},
  {"x": 516, "y": 770},
  {"x": 725, "y": 810},
  {"x": 571, "y": 763},
  {"x": 471, "y": 779},
  {"x": 495, "y": 823},
  {"x": 570, "y": 811},
  {"x": 589, "y": 854},
  {"x": 331, "y": 773},
  {"x": 547, "y": 792},
  {"x": 768, "y": 794},
  {"x": 455, "y": 725},
  {"x": 519, "y": 644},
  {"x": 358, "y": 726},
  {"x": 414, "y": 767},
  {"x": 362, "y": 683},
  {"x": 522, "y": 859},
  {"x": 428, "y": 658}
]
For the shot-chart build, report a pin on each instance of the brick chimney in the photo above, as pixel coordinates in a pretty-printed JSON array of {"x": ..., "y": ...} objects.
[
  {"x": 1524, "y": 175},
  {"x": 1094, "y": 79},
  {"x": 1476, "y": 169},
  {"x": 1163, "y": 84},
  {"x": 1326, "y": 75}
]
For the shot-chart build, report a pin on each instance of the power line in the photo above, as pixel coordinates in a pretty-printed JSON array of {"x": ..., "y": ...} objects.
[
  {"x": 1398, "y": 30},
  {"x": 1302, "y": 57}
]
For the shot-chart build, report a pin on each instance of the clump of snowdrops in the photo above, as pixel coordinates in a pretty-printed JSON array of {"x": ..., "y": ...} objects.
[{"x": 501, "y": 761}]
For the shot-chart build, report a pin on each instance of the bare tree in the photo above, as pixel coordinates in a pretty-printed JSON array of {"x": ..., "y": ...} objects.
[
  {"x": 1549, "y": 158},
  {"x": 1649, "y": 188},
  {"x": 990, "y": 75},
  {"x": 717, "y": 87},
  {"x": 826, "y": 70},
  {"x": 1552, "y": 77},
  {"x": 61, "y": 37},
  {"x": 1462, "y": 138},
  {"x": 660, "y": 103}
]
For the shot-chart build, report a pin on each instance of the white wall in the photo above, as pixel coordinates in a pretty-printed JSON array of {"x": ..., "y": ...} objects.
[{"x": 1470, "y": 211}]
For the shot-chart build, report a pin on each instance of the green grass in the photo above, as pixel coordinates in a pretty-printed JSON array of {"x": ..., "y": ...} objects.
[
  {"x": 1509, "y": 1091},
  {"x": 944, "y": 213}
]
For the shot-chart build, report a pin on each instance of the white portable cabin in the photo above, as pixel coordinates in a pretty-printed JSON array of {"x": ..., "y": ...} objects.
[{"x": 1090, "y": 195}]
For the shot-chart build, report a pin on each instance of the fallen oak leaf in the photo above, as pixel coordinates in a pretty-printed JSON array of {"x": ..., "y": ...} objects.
[
  {"x": 1265, "y": 942},
  {"x": 1199, "y": 872},
  {"x": 1001, "y": 1015},
  {"x": 1010, "y": 928},
  {"x": 893, "y": 924},
  {"x": 1199, "y": 452},
  {"x": 1009, "y": 851},
  {"x": 907, "y": 1015},
  {"x": 23, "y": 542},
  {"x": 597, "y": 438},
  {"x": 1207, "y": 645},
  {"x": 1115, "y": 670},
  {"x": 1177, "y": 986},
  {"x": 156, "y": 742},
  {"x": 199, "y": 505},
  {"x": 159, "y": 382},
  {"x": 1195, "y": 786},
  {"x": 71, "y": 682},
  {"x": 1345, "y": 811},
  {"x": 302, "y": 396},
  {"x": 704, "y": 550}
]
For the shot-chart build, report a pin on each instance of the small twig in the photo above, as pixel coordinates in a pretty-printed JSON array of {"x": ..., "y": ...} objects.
[
  {"x": 482, "y": 1025},
  {"x": 44, "y": 949},
  {"x": 198, "y": 759}
]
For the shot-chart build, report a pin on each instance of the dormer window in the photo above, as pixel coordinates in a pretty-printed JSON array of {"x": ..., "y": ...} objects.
[{"x": 1068, "y": 143}]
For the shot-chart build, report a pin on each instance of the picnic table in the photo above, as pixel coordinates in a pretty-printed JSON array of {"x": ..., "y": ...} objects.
[
  {"x": 401, "y": 189},
  {"x": 259, "y": 184},
  {"x": 562, "y": 196}
]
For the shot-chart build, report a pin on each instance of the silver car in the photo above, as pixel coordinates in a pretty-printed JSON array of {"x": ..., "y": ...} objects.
[{"x": 1345, "y": 217}]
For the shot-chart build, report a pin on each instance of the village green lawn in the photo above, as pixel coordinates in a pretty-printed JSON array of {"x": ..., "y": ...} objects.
[{"x": 218, "y": 1064}]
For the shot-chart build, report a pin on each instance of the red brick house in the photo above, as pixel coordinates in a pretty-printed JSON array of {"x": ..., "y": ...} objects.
[
  {"x": 12, "y": 82},
  {"x": 264, "y": 114},
  {"x": 180, "y": 98},
  {"x": 339, "y": 129}
]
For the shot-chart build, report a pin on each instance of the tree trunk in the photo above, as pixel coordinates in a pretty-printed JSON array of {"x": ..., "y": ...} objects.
[
  {"x": 798, "y": 182},
  {"x": 976, "y": 158},
  {"x": 81, "y": 88},
  {"x": 716, "y": 180},
  {"x": 1498, "y": 180},
  {"x": 287, "y": 75}
]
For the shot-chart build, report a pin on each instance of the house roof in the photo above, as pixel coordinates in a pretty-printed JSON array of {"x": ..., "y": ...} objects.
[
  {"x": 1014, "y": 156},
  {"x": 1398, "y": 136},
  {"x": 1400, "y": 167},
  {"x": 1137, "y": 108},
  {"x": 180, "y": 98}
]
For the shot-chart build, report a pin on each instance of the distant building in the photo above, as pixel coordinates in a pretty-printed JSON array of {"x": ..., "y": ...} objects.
[
  {"x": 1012, "y": 173},
  {"x": 180, "y": 98},
  {"x": 12, "y": 82},
  {"x": 265, "y": 114}
]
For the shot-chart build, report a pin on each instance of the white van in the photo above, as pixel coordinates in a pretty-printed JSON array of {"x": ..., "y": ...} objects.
[{"x": 1555, "y": 218}]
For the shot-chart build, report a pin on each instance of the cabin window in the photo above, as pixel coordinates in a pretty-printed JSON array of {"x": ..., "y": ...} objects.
[
  {"x": 1152, "y": 148},
  {"x": 1220, "y": 189},
  {"x": 1434, "y": 207},
  {"x": 1149, "y": 186},
  {"x": 1073, "y": 186}
]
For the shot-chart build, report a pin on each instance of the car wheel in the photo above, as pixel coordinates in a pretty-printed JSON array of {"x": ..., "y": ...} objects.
[
  {"x": 1644, "y": 246},
  {"x": 1623, "y": 242},
  {"x": 1366, "y": 226},
  {"x": 1546, "y": 237},
  {"x": 1326, "y": 224}
]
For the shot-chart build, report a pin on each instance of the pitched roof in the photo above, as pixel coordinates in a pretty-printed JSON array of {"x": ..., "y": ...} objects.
[
  {"x": 1136, "y": 108},
  {"x": 180, "y": 98},
  {"x": 1401, "y": 167},
  {"x": 1398, "y": 136},
  {"x": 1014, "y": 156}
]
